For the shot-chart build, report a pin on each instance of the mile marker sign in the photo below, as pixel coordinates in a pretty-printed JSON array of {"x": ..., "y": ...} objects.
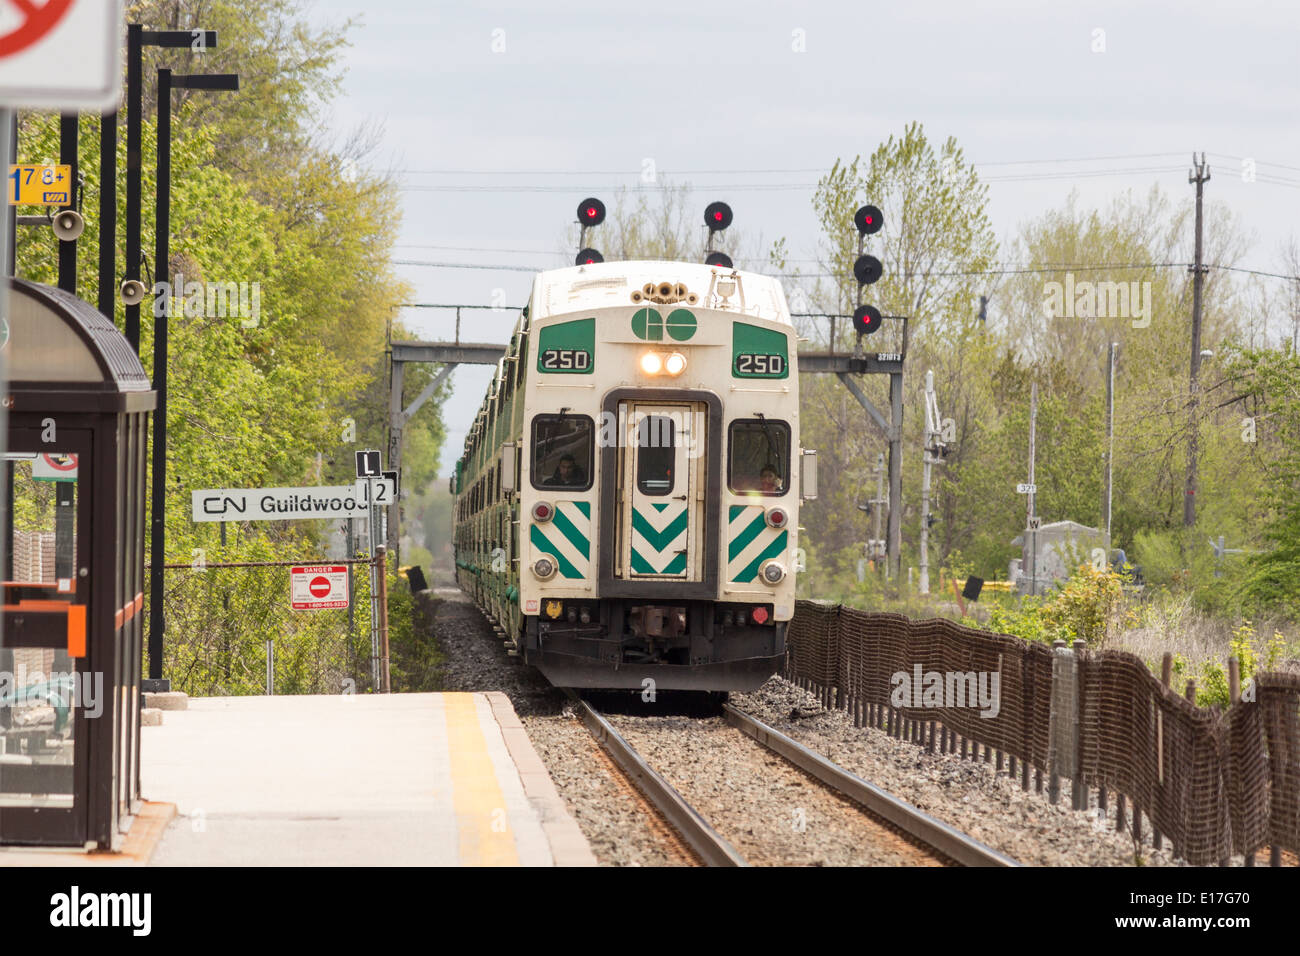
[
  {"x": 316, "y": 587},
  {"x": 61, "y": 54}
]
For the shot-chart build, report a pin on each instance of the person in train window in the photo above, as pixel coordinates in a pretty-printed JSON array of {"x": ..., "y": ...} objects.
[
  {"x": 567, "y": 474},
  {"x": 769, "y": 482}
]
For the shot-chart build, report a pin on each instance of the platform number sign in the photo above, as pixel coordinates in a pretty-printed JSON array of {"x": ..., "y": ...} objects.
[{"x": 369, "y": 464}]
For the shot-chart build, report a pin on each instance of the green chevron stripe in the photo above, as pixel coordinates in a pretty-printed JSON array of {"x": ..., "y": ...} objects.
[
  {"x": 574, "y": 536},
  {"x": 735, "y": 512},
  {"x": 660, "y": 508},
  {"x": 641, "y": 566},
  {"x": 773, "y": 550},
  {"x": 584, "y": 507},
  {"x": 541, "y": 543},
  {"x": 742, "y": 540},
  {"x": 660, "y": 540}
]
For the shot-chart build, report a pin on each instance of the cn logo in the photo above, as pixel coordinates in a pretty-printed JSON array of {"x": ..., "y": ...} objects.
[{"x": 24, "y": 22}]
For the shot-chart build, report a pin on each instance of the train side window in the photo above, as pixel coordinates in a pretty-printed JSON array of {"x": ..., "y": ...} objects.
[
  {"x": 562, "y": 452},
  {"x": 656, "y": 441},
  {"x": 759, "y": 456}
]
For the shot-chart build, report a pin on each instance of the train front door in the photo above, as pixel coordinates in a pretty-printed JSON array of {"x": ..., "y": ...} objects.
[{"x": 661, "y": 491}]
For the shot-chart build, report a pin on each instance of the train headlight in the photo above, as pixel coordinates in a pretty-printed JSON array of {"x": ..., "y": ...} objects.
[
  {"x": 663, "y": 363},
  {"x": 543, "y": 511},
  {"x": 772, "y": 573},
  {"x": 544, "y": 568},
  {"x": 776, "y": 518}
]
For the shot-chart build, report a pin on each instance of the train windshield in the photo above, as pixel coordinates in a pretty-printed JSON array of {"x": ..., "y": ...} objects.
[
  {"x": 760, "y": 456},
  {"x": 562, "y": 448}
]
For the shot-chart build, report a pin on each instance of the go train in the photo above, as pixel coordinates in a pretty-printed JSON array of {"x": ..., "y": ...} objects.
[{"x": 627, "y": 503}]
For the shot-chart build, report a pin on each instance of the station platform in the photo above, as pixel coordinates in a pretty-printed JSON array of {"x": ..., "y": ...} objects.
[{"x": 355, "y": 780}]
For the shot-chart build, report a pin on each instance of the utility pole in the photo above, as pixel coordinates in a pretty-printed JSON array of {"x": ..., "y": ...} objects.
[
  {"x": 1200, "y": 175},
  {"x": 1031, "y": 520},
  {"x": 1107, "y": 492},
  {"x": 932, "y": 454}
]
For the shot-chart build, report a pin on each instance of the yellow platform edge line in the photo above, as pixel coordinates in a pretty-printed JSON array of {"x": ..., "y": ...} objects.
[{"x": 482, "y": 820}]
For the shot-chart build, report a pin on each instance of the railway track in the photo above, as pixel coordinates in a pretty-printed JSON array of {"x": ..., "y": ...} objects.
[
  {"x": 711, "y": 847},
  {"x": 882, "y": 810}
]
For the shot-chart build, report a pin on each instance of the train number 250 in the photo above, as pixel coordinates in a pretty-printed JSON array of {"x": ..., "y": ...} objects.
[
  {"x": 577, "y": 360},
  {"x": 750, "y": 364}
]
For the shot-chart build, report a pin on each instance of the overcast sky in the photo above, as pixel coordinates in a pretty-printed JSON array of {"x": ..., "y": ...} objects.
[{"x": 503, "y": 116}]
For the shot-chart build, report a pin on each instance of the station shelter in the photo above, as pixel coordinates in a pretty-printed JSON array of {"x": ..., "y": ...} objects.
[{"x": 78, "y": 407}]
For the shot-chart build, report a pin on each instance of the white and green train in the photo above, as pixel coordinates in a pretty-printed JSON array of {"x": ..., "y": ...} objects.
[{"x": 627, "y": 503}]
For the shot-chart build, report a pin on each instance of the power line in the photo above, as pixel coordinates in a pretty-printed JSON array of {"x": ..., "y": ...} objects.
[
  {"x": 1038, "y": 268},
  {"x": 762, "y": 187},
  {"x": 728, "y": 172}
]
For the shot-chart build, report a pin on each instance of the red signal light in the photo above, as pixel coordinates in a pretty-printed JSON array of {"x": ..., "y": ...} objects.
[
  {"x": 591, "y": 212},
  {"x": 759, "y": 615},
  {"x": 868, "y": 219},
  {"x": 866, "y": 319},
  {"x": 717, "y": 216}
]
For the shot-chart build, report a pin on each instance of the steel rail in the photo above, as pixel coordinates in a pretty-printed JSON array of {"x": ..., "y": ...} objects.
[
  {"x": 936, "y": 834},
  {"x": 712, "y": 848}
]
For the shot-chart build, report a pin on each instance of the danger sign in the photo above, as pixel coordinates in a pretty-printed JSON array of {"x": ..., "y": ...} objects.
[
  {"x": 318, "y": 587},
  {"x": 61, "y": 54}
]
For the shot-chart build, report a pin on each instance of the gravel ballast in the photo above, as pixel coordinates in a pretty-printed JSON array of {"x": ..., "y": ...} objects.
[
  {"x": 771, "y": 812},
  {"x": 966, "y": 794}
]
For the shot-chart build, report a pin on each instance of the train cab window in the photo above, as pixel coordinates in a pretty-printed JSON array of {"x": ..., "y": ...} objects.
[
  {"x": 759, "y": 459},
  {"x": 656, "y": 441},
  {"x": 562, "y": 452}
]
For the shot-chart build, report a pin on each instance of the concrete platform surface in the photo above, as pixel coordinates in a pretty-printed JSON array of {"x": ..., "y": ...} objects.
[{"x": 397, "y": 779}]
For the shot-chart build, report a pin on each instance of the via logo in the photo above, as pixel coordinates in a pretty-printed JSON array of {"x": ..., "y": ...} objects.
[{"x": 649, "y": 326}]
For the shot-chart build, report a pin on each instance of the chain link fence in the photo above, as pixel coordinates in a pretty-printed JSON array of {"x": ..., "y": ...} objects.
[{"x": 224, "y": 621}]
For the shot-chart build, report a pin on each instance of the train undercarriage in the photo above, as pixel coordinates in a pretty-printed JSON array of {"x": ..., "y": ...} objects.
[{"x": 623, "y": 643}]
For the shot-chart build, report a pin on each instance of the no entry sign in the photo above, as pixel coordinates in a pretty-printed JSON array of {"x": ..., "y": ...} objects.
[
  {"x": 315, "y": 587},
  {"x": 60, "y": 54}
]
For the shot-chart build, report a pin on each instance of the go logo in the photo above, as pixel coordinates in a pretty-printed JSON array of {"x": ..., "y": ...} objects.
[{"x": 649, "y": 326}]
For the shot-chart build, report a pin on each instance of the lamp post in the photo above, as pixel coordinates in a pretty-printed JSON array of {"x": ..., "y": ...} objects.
[
  {"x": 157, "y": 541},
  {"x": 137, "y": 38}
]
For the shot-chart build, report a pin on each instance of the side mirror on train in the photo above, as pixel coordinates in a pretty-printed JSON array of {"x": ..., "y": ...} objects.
[
  {"x": 807, "y": 474},
  {"x": 508, "y": 467}
]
